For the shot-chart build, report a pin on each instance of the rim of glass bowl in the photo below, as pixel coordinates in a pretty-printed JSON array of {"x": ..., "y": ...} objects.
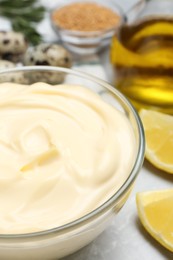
[
  {"x": 132, "y": 175},
  {"x": 117, "y": 9}
]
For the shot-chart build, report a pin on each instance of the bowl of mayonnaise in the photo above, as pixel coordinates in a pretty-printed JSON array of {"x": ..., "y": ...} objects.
[{"x": 70, "y": 153}]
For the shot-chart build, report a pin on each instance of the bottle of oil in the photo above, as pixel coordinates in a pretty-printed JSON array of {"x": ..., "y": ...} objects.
[{"x": 142, "y": 57}]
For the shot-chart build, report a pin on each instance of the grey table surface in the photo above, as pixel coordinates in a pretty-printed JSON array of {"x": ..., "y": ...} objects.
[{"x": 125, "y": 238}]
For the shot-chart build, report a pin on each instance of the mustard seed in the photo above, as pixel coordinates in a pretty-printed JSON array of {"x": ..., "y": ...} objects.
[{"x": 85, "y": 17}]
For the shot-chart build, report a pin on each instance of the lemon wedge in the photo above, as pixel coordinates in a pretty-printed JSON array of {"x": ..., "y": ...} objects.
[
  {"x": 155, "y": 209},
  {"x": 159, "y": 138}
]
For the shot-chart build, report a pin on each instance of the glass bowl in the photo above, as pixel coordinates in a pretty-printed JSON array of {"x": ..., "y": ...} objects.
[
  {"x": 82, "y": 42},
  {"x": 64, "y": 240}
]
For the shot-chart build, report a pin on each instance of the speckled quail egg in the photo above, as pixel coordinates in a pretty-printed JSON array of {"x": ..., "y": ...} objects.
[
  {"x": 5, "y": 64},
  {"x": 48, "y": 54},
  {"x": 12, "y": 45},
  {"x": 17, "y": 77}
]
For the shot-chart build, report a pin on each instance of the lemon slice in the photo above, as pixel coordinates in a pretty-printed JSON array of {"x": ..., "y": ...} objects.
[
  {"x": 159, "y": 138},
  {"x": 155, "y": 209}
]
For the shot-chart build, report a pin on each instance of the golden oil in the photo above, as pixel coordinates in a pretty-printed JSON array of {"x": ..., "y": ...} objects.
[{"x": 142, "y": 57}]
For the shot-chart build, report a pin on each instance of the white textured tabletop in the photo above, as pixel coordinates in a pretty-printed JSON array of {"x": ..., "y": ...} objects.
[{"x": 125, "y": 238}]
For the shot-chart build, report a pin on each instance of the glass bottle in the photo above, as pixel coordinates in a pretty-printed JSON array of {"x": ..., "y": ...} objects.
[{"x": 142, "y": 57}]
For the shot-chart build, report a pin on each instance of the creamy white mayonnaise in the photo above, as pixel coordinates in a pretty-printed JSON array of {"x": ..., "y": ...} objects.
[{"x": 64, "y": 152}]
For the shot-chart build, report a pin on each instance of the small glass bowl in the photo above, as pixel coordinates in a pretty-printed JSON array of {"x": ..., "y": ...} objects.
[
  {"x": 82, "y": 42},
  {"x": 61, "y": 241}
]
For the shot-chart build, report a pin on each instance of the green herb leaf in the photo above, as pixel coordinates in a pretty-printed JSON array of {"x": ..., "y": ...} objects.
[
  {"x": 24, "y": 16},
  {"x": 21, "y": 25}
]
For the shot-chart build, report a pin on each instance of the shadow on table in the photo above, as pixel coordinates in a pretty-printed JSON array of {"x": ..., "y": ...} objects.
[{"x": 161, "y": 174}]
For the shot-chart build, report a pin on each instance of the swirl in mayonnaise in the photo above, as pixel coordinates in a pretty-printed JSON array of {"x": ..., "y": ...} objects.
[{"x": 64, "y": 151}]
